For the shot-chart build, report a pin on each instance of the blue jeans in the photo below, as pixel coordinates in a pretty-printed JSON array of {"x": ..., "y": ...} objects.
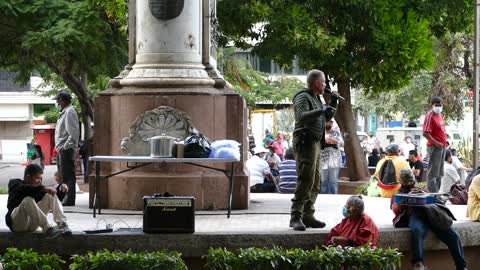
[
  {"x": 329, "y": 179},
  {"x": 449, "y": 237}
]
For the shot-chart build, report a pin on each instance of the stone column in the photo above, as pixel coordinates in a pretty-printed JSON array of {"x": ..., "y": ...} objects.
[{"x": 168, "y": 45}]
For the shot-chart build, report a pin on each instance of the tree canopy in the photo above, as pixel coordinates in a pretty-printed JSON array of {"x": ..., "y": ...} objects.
[
  {"x": 72, "y": 39},
  {"x": 377, "y": 45}
]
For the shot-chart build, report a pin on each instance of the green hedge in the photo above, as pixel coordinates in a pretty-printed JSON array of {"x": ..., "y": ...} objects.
[
  {"x": 319, "y": 259},
  {"x": 217, "y": 259},
  {"x": 115, "y": 260},
  {"x": 15, "y": 259}
]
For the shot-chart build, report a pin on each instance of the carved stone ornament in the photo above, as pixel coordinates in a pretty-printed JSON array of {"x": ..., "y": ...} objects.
[
  {"x": 166, "y": 9},
  {"x": 163, "y": 120}
]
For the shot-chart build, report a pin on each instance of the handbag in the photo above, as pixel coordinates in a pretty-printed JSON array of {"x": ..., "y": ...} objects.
[
  {"x": 458, "y": 194},
  {"x": 197, "y": 146}
]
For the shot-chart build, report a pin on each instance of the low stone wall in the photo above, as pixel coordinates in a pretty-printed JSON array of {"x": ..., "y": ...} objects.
[{"x": 194, "y": 246}]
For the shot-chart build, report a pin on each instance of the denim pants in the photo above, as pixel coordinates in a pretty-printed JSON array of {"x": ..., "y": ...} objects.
[
  {"x": 449, "y": 237},
  {"x": 329, "y": 178}
]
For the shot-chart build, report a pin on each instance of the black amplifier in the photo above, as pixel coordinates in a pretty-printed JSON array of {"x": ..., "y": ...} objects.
[{"x": 168, "y": 214}]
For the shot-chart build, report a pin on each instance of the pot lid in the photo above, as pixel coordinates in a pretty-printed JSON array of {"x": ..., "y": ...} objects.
[{"x": 163, "y": 136}]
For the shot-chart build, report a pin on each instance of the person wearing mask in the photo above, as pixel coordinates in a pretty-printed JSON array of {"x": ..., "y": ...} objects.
[
  {"x": 331, "y": 159},
  {"x": 261, "y": 178},
  {"x": 310, "y": 117},
  {"x": 415, "y": 218},
  {"x": 434, "y": 132},
  {"x": 356, "y": 229},
  {"x": 279, "y": 147},
  {"x": 67, "y": 134}
]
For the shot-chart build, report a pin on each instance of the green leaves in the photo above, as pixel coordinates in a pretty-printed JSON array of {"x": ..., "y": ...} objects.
[
  {"x": 116, "y": 260},
  {"x": 329, "y": 258},
  {"x": 256, "y": 86},
  {"x": 27, "y": 259}
]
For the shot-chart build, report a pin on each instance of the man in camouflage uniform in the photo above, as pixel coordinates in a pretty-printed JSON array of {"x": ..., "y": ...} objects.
[{"x": 310, "y": 117}]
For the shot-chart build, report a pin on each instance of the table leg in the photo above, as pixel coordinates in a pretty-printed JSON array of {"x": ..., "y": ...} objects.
[
  {"x": 96, "y": 200},
  {"x": 230, "y": 195}
]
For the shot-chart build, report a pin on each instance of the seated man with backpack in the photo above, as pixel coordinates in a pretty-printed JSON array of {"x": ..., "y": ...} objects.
[{"x": 388, "y": 169}]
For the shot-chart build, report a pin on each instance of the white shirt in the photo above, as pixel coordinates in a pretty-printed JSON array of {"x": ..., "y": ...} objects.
[
  {"x": 273, "y": 159},
  {"x": 406, "y": 147},
  {"x": 258, "y": 169},
  {"x": 449, "y": 178}
]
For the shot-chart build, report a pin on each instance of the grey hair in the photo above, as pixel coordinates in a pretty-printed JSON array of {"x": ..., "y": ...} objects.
[
  {"x": 357, "y": 202},
  {"x": 314, "y": 75}
]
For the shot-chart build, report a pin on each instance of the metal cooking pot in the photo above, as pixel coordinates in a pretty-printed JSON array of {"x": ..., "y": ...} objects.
[{"x": 161, "y": 146}]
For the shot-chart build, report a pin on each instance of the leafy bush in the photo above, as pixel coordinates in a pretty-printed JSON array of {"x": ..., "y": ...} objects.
[
  {"x": 362, "y": 189},
  {"x": 27, "y": 259},
  {"x": 329, "y": 258},
  {"x": 116, "y": 260},
  {"x": 465, "y": 152}
]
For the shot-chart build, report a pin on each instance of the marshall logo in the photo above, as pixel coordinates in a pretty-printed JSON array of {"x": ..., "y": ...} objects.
[
  {"x": 166, "y": 9},
  {"x": 169, "y": 203}
]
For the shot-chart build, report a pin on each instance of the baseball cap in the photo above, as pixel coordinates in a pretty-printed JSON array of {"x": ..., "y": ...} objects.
[
  {"x": 392, "y": 149},
  {"x": 63, "y": 95},
  {"x": 260, "y": 149}
]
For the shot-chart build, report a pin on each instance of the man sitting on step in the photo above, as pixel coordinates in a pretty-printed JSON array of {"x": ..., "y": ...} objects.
[{"x": 29, "y": 202}]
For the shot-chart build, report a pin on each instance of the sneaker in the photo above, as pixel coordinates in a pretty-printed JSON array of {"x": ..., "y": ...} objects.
[
  {"x": 64, "y": 228},
  {"x": 312, "y": 222},
  {"x": 418, "y": 266},
  {"x": 297, "y": 224},
  {"x": 53, "y": 232}
]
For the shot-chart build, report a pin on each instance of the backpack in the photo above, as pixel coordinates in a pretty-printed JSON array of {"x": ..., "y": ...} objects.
[
  {"x": 458, "y": 194},
  {"x": 387, "y": 177}
]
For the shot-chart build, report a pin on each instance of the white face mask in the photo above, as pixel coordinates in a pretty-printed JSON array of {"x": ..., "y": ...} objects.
[
  {"x": 437, "y": 110},
  {"x": 58, "y": 107}
]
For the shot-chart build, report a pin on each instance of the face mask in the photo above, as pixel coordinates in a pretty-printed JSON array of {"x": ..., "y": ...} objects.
[
  {"x": 437, "y": 110},
  {"x": 58, "y": 107},
  {"x": 328, "y": 127},
  {"x": 345, "y": 212}
]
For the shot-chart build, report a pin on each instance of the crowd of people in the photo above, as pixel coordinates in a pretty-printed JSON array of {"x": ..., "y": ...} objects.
[{"x": 310, "y": 167}]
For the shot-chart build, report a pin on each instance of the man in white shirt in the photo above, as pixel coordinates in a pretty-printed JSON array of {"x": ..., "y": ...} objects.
[
  {"x": 406, "y": 147},
  {"x": 461, "y": 169},
  {"x": 450, "y": 175},
  {"x": 67, "y": 134},
  {"x": 261, "y": 178}
]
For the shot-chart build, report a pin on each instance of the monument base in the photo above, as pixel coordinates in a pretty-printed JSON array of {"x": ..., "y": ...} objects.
[{"x": 217, "y": 113}]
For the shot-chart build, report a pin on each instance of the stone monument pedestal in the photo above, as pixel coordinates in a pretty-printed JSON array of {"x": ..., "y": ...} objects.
[
  {"x": 171, "y": 63},
  {"x": 217, "y": 113}
]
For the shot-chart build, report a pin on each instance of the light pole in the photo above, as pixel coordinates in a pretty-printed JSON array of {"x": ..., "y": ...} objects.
[{"x": 475, "y": 87}]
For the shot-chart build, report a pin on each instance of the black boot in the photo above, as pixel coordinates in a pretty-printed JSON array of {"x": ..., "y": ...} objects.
[
  {"x": 311, "y": 222},
  {"x": 297, "y": 224}
]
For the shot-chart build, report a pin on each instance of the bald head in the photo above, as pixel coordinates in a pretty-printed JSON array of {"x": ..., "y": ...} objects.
[{"x": 316, "y": 81}]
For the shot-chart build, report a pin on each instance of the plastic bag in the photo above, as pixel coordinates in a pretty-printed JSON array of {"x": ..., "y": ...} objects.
[
  {"x": 197, "y": 146},
  {"x": 225, "y": 149},
  {"x": 373, "y": 189}
]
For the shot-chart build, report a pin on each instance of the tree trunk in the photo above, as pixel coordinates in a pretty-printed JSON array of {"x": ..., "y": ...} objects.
[{"x": 356, "y": 161}]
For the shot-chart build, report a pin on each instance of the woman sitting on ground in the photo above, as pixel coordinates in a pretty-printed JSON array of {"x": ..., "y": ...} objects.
[{"x": 356, "y": 229}]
